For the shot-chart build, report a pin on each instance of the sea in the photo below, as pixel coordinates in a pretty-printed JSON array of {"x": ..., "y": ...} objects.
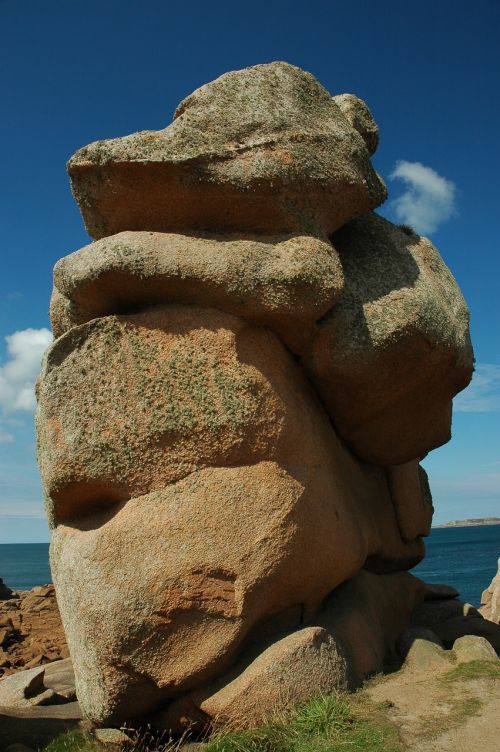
[{"x": 464, "y": 557}]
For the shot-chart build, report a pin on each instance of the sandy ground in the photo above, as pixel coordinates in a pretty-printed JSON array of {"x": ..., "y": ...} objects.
[{"x": 433, "y": 714}]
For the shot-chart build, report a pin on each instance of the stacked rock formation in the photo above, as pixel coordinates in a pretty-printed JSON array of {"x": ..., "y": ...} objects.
[{"x": 249, "y": 366}]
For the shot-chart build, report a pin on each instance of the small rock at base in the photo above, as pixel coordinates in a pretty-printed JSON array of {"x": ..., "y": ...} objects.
[
  {"x": 406, "y": 640},
  {"x": 18, "y": 748},
  {"x": 17, "y": 690},
  {"x": 473, "y": 648},
  {"x": 111, "y": 737},
  {"x": 424, "y": 655},
  {"x": 434, "y": 592}
]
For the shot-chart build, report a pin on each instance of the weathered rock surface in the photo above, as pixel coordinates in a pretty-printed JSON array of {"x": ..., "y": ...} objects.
[
  {"x": 412, "y": 499},
  {"x": 401, "y": 314},
  {"x": 473, "y": 648},
  {"x": 32, "y": 631},
  {"x": 213, "y": 537},
  {"x": 425, "y": 655},
  {"x": 286, "y": 283},
  {"x": 265, "y": 149},
  {"x": 357, "y": 113},
  {"x": 51, "y": 684},
  {"x": 353, "y": 635},
  {"x": 490, "y": 599},
  {"x": 60, "y": 678},
  {"x": 367, "y": 615},
  {"x": 20, "y": 688},
  {"x": 112, "y": 738},
  {"x": 203, "y": 413},
  {"x": 291, "y": 670}
]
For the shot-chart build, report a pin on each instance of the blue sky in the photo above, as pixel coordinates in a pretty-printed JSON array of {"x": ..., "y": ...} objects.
[{"x": 73, "y": 71}]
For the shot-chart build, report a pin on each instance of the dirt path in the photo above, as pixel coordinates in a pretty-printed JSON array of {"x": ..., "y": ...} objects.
[
  {"x": 481, "y": 730},
  {"x": 444, "y": 708}
]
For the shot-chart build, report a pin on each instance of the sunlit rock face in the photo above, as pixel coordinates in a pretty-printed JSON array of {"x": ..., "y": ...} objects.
[
  {"x": 215, "y": 466},
  {"x": 264, "y": 149},
  {"x": 284, "y": 283},
  {"x": 390, "y": 356}
]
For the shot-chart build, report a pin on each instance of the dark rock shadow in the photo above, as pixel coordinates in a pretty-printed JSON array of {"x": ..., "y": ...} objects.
[{"x": 377, "y": 259}]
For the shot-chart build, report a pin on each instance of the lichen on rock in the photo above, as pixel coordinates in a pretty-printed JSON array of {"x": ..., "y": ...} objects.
[
  {"x": 265, "y": 149},
  {"x": 248, "y": 366}
]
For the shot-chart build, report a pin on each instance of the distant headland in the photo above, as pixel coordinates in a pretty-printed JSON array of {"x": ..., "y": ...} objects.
[{"x": 471, "y": 523}]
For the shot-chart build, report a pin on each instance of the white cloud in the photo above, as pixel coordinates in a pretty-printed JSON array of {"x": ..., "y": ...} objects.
[
  {"x": 429, "y": 199},
  {"x": 6, "y": 438},
  {"x": 483, "y": 393},
  {"x": 17, "y": 375}
]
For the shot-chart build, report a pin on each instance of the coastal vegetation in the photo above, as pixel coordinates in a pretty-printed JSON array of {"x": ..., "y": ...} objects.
[
  {"x": 332, "y": 723},
  {"x": 473, "y": 670},
  {"x": 391, "y": 713}
]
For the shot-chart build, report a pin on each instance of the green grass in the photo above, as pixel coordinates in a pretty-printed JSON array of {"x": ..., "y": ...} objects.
[
  {"x": 71, "y": 741},
  {"x": 333, "y": 723},
  {"x": 473, "y": 670}
]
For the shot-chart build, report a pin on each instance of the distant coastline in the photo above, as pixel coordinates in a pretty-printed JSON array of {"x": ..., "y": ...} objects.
[{"x": 471, "y": 523}]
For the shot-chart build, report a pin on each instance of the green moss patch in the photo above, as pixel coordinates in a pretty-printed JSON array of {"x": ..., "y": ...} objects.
[{"x": 473, "y": 670}]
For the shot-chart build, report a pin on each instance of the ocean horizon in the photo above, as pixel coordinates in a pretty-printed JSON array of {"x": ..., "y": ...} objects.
[{"x": 464, "y": 557}]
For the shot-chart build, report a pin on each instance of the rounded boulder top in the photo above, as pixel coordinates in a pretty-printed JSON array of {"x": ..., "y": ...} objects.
[{"x": 261, "y": 149}]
